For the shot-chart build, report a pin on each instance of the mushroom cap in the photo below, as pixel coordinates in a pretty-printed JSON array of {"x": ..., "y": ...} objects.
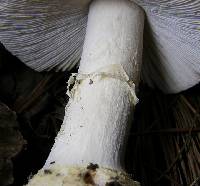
[
  {"x": 44, "y": 34},
  {"x": 50, "y": 34},
  {"x": 171, "y": 54}
]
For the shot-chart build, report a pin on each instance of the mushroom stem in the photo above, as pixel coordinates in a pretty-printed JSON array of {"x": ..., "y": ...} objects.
[{"x": 101, "y": 105}]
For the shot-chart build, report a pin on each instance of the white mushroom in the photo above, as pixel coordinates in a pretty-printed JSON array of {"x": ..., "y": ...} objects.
[
  {"x": 99, "y": 112},
  {"x": 103, "y": 97}
]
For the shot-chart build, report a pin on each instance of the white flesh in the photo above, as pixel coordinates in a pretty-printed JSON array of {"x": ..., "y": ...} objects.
[{"x": 98, "y": 114}]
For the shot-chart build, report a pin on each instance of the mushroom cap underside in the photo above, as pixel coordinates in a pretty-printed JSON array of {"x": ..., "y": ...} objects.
[{"x": 50, "y": 35}]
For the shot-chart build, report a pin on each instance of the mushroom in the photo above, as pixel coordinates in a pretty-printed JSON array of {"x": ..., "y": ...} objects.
[{"x": 89, "y": 149}]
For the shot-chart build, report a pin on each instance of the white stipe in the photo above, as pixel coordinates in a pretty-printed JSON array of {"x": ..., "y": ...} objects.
[{"x": 100, "y": 109}]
